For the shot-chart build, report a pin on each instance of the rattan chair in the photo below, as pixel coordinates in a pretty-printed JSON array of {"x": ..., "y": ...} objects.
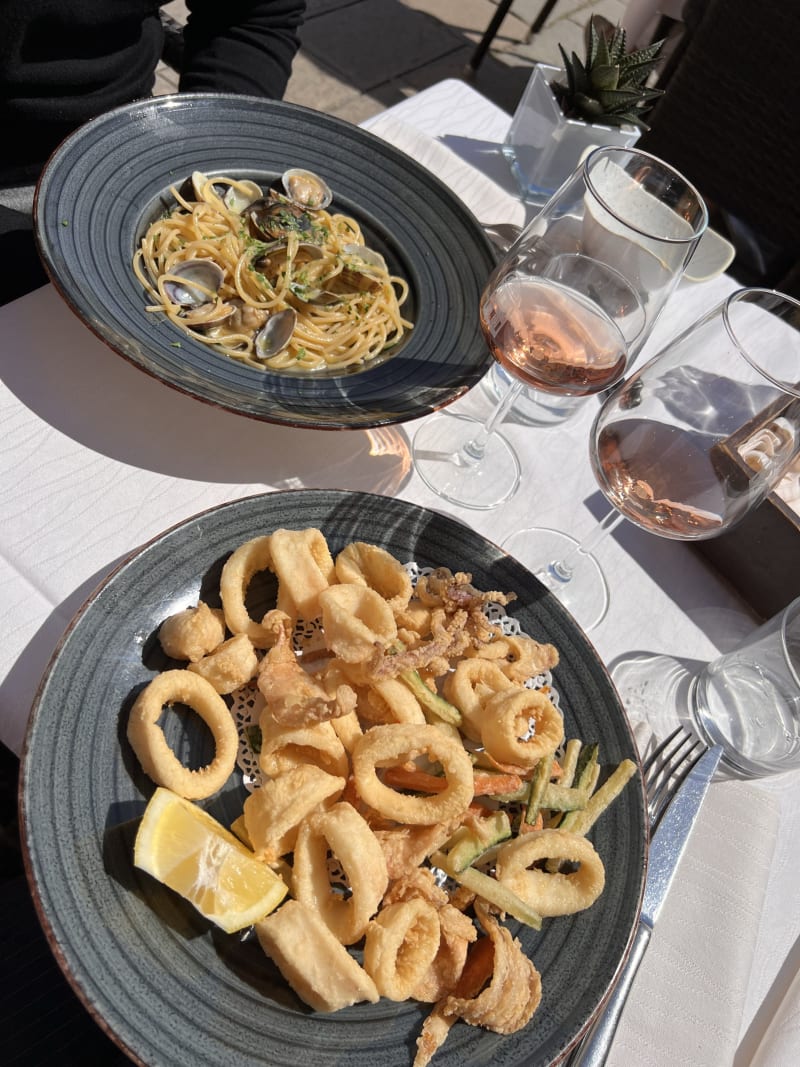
[{"x": 730, "y": 122}]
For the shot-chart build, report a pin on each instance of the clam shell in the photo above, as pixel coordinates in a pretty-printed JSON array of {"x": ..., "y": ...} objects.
[
  {"x": 234, "y": 197},
  {"x": 183, "y": 288},
  {"x": 306, "y": 189},
  {"x": 272, "y": 218},
  {"x": 275, "y": 334}
]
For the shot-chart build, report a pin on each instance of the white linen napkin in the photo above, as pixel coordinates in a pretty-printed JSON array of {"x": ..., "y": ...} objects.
[
  {"x": 781, "y": 1043},
  {"x": 687, "y": 1002}
]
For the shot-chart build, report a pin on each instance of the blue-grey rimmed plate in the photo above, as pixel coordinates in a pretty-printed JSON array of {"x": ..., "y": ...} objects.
[
  {"x": 110, "y": 178},
  {"x": 170, "y": 988}
]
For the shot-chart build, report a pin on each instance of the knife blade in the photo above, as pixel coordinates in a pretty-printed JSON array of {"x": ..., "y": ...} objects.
[{"x": 666, "y": 849}]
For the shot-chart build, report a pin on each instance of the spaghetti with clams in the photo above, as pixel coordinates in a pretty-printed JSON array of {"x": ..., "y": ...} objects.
[{"x": 271, "y": 279}]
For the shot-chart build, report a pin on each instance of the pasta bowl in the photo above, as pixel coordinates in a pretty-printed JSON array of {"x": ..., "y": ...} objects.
[
  {"x": 111, "y": 177},
  {"x": 166, "y": 985}
]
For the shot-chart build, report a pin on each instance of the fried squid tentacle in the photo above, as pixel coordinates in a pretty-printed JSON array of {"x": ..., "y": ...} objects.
[{"x": 499, "y": 989}]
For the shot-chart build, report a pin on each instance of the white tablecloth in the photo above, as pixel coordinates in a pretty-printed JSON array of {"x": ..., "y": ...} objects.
[{"x": 97, "y": 457}]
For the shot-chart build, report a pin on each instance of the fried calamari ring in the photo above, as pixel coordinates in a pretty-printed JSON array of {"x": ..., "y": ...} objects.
[
  {"x": 506, "y": 726},
  {"x": 457, "y": 932},
  {"x": 469, "y": 686},
  {"x": 192, "y": 633},
  {"x": 348, "y": 729},
  {"x": 304, "y": 567},
  {"x": 285, "y": 747},
  {"x": 240, "y": 567},
  {"x": 356, "y": 619},
  {"x": 230, "y": 666},
  {"x": 157, "y": 758},
  {"x": 388, "y": 745},
  {"x": 552, "y": 894},
  {"x": 393, "y": 701},
  {"x": 364, "y": 564},
  {"x": 401, "y": 944},
  {"x": 319, "y": 969},
  {"x": 343, "y": 832},
  {"x": 273, "y": 813}
]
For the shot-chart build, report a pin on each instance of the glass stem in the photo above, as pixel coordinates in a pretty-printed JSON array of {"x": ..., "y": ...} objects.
[
  {"x": 475, "y": 448},
  {"x": 563, "y": 569}
]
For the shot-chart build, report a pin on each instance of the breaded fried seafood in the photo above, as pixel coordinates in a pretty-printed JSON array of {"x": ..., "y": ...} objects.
[
  {"x": 150, "y": 745},
  {"x": 408, "y": 776},
  {"x": 192, "y": 633}
]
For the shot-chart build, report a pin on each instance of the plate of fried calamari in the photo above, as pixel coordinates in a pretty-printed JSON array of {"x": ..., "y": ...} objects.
[
  {"x": 268, "y": 259},
  {"x": 325, "y": 777}
]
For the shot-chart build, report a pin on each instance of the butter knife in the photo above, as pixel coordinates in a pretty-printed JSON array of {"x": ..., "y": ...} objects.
[{"x": 666, "y": 849}]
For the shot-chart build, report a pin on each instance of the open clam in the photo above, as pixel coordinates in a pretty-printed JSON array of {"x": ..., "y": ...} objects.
[
  {"x": 363, "y": 267},
  {"x": 271, "y": 255},
  {"x": 311, "y": 295},
  {"x": 239, "y": 318},
  {"x": 194, "y": 286},
  {"x": 194, "y": 282},
  {"x": 240, "y": 196},
  {"x": 306, "y": 189},
  {"x": 235, "y": 197},
  {"x": 275, "y": 334},
  {"x": 271, "y": 218}
]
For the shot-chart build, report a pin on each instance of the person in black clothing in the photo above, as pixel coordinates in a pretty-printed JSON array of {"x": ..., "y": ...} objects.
[{"x": 63, "y": 62}]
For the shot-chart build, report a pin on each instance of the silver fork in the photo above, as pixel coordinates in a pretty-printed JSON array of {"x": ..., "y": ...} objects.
[{"x": 665, "y": 770}]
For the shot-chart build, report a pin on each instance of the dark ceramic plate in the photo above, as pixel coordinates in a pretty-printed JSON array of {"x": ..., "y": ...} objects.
[
  {"x": 111, "y": 178},
  {"x": 168, "y": 986}
]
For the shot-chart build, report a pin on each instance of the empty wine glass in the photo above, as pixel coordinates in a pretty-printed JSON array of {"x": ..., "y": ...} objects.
[
  {"x": 567, "y": 308},
  {"x": 690, "y": 443}
]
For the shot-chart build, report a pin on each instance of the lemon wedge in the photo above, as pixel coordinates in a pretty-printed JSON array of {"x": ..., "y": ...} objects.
[{"x": 185, "y": 848}]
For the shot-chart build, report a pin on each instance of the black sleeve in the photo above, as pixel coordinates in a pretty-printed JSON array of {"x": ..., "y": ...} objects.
[{"x": 240, "y": 46}]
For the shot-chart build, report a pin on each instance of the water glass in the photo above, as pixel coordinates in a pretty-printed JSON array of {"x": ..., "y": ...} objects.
[{"x": 748, "y": 700}]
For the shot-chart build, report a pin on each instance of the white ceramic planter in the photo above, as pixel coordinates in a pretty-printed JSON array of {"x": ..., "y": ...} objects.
[{"x": 543, "y": 147}]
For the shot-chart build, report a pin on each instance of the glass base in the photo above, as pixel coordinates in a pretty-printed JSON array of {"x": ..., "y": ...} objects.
[
  {"x": 750, "y": 718},
  {"x": 653, "y": 689},
  {"x": 442, "y": 460},
  {"x": 656, "y": 692},
  {"x": 585, "y": 593},
  {"x": 664, "y": 692},
  {"x": 532, "y": 407}
]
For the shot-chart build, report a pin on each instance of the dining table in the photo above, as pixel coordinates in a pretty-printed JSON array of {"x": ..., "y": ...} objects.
[{"x": 98, "y": 458}]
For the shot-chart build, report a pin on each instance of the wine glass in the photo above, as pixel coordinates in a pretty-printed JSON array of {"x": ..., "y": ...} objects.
[
  {"x": 568, "y": 307},
  {"x": 689, "y": 444}
]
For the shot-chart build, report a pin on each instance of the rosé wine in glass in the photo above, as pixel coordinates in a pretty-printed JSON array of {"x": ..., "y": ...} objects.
[
  {"x": 552, "y": 337},
  {"x": 568, "y": 307}
]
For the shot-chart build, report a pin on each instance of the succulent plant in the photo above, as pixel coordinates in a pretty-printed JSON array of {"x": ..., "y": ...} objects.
[{"x": 608, "y": 87}]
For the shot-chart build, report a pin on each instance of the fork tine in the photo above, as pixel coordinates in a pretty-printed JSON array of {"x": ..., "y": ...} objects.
[{"x": 666, "y": 768}]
